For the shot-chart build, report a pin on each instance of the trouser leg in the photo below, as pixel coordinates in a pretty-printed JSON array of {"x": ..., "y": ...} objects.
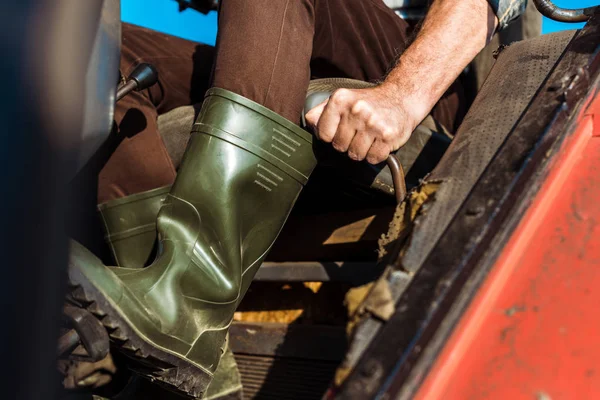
[
  {"x": 263, "y": 52},
  {"x": 137, "y": 158}
]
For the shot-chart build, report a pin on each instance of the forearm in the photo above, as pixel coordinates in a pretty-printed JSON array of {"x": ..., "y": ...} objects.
[{"x": 453, "y": 33}]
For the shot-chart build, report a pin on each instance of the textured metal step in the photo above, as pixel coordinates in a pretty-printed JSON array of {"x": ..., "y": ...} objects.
[
  {"x": 284, "y": 377},
  {"x": 279, "y": 361}
]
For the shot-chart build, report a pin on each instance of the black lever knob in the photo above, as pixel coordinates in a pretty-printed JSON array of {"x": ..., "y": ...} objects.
[
  {"x": 142, "y": 77},
  {"x": 145, "y": 75}
]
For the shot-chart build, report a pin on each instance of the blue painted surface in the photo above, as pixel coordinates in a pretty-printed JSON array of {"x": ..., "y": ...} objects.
[{"x": 164, "y": 16}]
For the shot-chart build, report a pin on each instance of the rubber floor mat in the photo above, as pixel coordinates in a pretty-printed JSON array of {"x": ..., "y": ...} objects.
[{"x": 517, "y": 75}]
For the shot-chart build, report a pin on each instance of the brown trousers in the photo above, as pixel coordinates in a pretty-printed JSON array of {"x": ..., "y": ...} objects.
[{"x": 267, "y": 51}]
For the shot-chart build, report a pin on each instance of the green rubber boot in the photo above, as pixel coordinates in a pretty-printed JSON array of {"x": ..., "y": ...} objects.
[
  {"x": 130, "y": 232},
  {"x": 242, "y": 172}
]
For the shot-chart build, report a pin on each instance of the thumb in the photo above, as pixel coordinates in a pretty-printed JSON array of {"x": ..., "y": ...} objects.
[{"x": 313, "y": 116}]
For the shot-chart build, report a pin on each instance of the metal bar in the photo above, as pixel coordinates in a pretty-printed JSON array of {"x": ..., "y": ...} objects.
[
  {"x": 397, "y": 178},
  {"x": 548, "y": 9},
  {"x": 356, "y": 273},
  {"x": 126, "y": 88}
]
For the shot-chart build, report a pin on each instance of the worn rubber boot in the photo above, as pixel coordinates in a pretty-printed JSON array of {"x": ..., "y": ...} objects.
[
  {"x": 241, "y": 174},
  {"x": 130, "y": 232}
]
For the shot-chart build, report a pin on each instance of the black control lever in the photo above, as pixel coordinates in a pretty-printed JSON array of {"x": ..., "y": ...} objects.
[{"x": 142, "y": 77}]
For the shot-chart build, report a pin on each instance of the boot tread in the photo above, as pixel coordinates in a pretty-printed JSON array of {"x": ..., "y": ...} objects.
[{"x": 165, "y": 369}]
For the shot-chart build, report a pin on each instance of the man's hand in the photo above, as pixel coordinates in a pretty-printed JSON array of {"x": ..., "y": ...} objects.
[
  {"x": 366, "y": 123},
  {"x": 371, "y": 123}
]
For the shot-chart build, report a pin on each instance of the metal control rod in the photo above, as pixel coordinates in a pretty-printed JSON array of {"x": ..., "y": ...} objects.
[
  {"x": 126, "y": 88},
  {"x": 548, "y": 9},
  {"x": 142, "y": 77},
  {"x": 397, "y": 177}
]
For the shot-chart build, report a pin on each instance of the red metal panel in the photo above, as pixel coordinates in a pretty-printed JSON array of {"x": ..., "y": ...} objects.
[{"x": 533, "y": 329}]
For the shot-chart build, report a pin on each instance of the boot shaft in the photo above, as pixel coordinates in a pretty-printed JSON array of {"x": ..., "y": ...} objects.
[
  {"x": 242, "y": 172},
  {"x": 233, "y": 193}
]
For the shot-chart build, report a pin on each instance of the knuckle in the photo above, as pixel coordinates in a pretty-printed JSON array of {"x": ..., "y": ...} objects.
[
  {"x": 372, "y": 122},
  {"x": 360, "y": 107},
  {"x": 387, "y": 133},
  {"x": 340, "y": 96}
]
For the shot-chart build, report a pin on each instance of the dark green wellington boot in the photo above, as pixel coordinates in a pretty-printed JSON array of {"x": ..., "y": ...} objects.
[
  {"x": 242, "y": 172},
  {"x": 130, "y": 232},
  {"x": 130, "y": 226}
]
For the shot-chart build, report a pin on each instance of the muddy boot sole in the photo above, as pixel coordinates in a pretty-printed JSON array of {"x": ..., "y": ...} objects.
[{"x": 160, "y": 366}]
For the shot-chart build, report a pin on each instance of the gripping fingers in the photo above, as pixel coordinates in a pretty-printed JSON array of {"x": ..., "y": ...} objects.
[
  {"x": 360, "y": 146},
  {"x": 378, "y": 153},
  {"x": 328, "y": 123},
  {"x": 345, "y": 133},
  {"x": 313, "y": 116}
]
